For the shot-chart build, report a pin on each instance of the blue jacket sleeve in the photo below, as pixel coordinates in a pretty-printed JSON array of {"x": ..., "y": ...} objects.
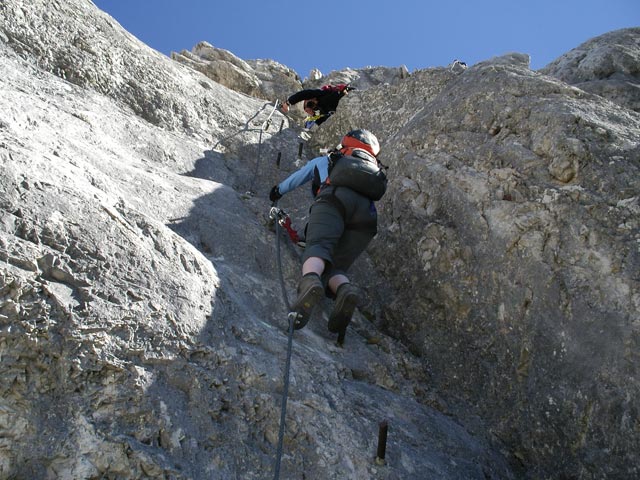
[{"x": 305, "y": 174}]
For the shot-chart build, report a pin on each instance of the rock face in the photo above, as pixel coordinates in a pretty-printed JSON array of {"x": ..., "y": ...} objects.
[
  {"x": 513, "y": 214},
  {"x": 142, "y": 323},
  {"x": 606, "y": 65}
]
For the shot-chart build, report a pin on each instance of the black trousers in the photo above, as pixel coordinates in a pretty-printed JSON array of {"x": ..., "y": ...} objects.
[{"x": 341, "y": 225}]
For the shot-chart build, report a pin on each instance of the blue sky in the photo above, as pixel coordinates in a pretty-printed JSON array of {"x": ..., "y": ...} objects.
[{"x": 336, "y": 35}]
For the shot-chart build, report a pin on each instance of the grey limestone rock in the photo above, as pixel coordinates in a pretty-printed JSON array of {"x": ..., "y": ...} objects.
[
  {"x": 606, "y": 65},
  {"x": 142, "y": 323}
]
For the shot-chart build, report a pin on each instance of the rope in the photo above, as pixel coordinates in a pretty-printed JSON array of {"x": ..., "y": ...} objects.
[{"x": 287, "y": 367}]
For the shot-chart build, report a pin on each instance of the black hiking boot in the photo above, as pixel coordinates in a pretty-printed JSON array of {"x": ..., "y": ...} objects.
[
  {"x": 346, "y": 302},
  {"x": 310, "y": 291}
]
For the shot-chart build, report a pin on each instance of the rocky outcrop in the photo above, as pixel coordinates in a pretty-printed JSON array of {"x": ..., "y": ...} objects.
[
  {"x": 276, "y": 80},
  {"x": 259, "y": 78},
  {"x": 142, "y": 324},
  {"x": 270, "y": 80},
  {"x": 606, "y": 65},
  {"x": 221, "y": 66},
  {"x": 360, "y": 78}
]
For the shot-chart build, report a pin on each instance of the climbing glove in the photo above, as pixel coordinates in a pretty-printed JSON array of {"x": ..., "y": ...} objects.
[{"x": 274, "y": 194}]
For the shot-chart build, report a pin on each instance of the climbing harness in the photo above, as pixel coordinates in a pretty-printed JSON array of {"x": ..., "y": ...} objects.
[{"x": 311, "y": 120}]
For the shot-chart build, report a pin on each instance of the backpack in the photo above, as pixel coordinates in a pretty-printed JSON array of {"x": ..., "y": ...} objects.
[
  {"x": 339, "y": 87},
  {"x": 359, "y": 171}
]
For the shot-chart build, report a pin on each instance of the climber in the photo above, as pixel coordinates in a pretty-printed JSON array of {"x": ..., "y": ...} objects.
[
  {"x": 319, "y": 103},
  {"x": 342, "y": 222}
]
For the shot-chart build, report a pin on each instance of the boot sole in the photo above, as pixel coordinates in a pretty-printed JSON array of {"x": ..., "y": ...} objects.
[
  {"x": 342, "y": 313},
  {"x": 309, "y": 300}
]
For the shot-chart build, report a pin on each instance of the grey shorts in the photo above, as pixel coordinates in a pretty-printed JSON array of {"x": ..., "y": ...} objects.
[{"x": 341, "y": 225}]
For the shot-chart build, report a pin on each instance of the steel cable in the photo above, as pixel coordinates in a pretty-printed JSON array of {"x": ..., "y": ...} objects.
[{"x": 287, "y": 367}]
